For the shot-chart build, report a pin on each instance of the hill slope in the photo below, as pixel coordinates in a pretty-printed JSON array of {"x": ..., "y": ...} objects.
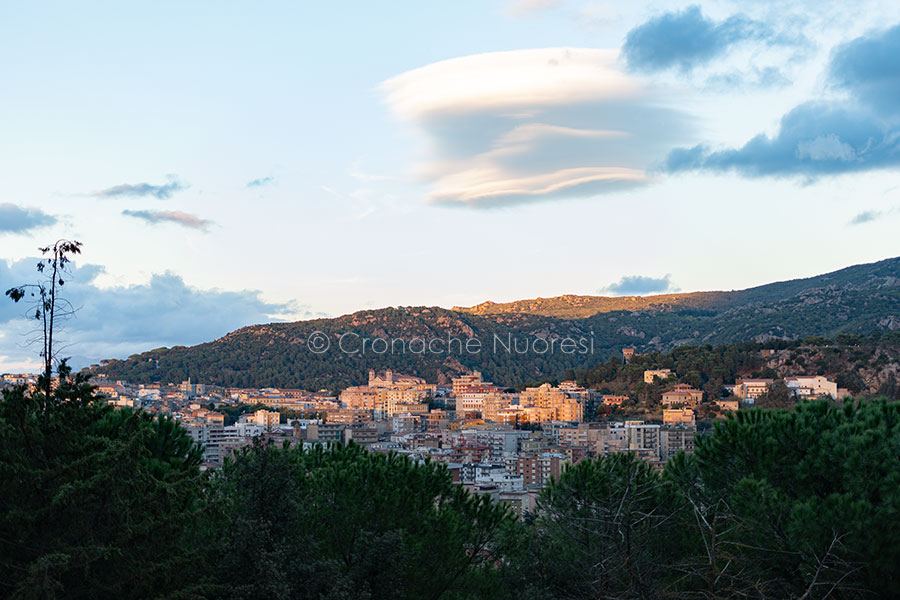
[
  {"x": 515, "y": 345},
  {"x": 885, "y": 273}
]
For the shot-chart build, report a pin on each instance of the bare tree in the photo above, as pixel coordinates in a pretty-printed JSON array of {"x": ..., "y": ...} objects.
[{"x": 47, "y": 306}]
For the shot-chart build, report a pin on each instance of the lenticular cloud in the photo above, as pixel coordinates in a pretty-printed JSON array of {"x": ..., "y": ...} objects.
[{"x": 531, "y": 125}]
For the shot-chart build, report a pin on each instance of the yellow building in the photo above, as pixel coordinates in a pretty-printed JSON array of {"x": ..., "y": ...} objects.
[
  {"x": 679, "y": 416},
  {"x": 651, "y": 374}
]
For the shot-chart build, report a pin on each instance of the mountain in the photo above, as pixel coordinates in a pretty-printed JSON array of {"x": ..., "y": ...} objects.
[
  {"x": 882, "y": 274},
  {"x": 528, "y": 340}
]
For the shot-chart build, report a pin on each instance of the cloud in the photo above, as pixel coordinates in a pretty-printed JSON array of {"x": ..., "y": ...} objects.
[
  {"x": 141, "y": 190},
  {"x": 754, "y": 77},
  {"x": 16, "y": 219},
  {"x": 687, "y": 39},
  {"x": 118, "y": 321},
  {"x": 868, "y": 216},
  {"x": 638, "y": 285},
  {"x": 521, "y": 8},
  {"x": 868, "y": 68},
  {"x": 507, "y": 128},
  {"x": 170, "y": 216},
  {"x": 858, "y": 132},
  {"x": 262, "y": 181}
]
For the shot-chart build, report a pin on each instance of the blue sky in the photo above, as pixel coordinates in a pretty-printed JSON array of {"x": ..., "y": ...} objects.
[{"x": 288, "y": 160}]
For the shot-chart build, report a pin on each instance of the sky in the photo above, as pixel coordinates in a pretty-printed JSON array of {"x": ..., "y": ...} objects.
[{"x": 233, "y": 163}]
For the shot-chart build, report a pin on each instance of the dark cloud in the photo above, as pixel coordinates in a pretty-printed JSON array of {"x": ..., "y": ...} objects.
[
  {"x": 118, "y": 321},
  {"x": 170, "y": 216},
  {"x": 16, "y": 219},
  {"x": 141, "y": 190},
  {"x": 869, "y": 68},
  {"x": 638, "y": 285},
  {"x": 687, "y": 39},
  {"x": 814, "y": 139},
  {"x": 260, "y": 182}
]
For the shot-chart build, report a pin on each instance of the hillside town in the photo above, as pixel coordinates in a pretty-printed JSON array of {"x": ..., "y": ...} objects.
[{"x": 497, "y": 441}]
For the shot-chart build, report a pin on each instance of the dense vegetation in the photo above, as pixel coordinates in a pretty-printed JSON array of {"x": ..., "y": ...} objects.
[
  {"x": 862, "y": 300},
  {"x": 864, "y": 366},
  {"x": 99, "y": 503}
]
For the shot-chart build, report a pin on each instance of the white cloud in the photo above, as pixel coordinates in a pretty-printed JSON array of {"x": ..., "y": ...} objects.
[
  {"x": 530, "y": 125},
  {"x": 521, "y": 8},
  {"x": 509, "y": 80},
  {"x": 825, "y": 147}
]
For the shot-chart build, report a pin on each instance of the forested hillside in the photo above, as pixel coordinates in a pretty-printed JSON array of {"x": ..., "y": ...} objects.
[{"x": 862, "y": 300}]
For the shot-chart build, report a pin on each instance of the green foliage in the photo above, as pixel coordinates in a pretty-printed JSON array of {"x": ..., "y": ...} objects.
[
  {"x": 855, "y": 302},
  {"x": 366, "y": 525},
  {"x": 94, "y": 501},
  {"x": 603, "y": 530},
  {"x": 796, "y": 502},
  {"x": 103, "y": 503}
]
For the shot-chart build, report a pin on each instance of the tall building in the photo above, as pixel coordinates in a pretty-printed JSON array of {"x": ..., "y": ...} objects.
[{"x": 546, "y": 403}]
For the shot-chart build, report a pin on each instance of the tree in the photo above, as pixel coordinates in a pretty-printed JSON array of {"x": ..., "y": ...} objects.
[
  {"x": 46, "y": 305},
  {"x": 778, "y": 395},
  {"x": 602, "y": 530},
  {"x": 794, "y": 504},
  {"x": 96, "y": 502},
  {"x": 341, "y": 522}
]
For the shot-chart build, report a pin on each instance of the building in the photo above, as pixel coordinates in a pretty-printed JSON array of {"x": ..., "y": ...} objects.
[
  {"x": 675, "y": 438},
  {"x": 471, "y": 397},
  {"x": 727, "y": 404},
  {"x": 751, "y": 389},
  {"x": 268, "y": 420},
  {"x": 812, "y": 386},
  {"x": 612, "y": 400},
  {"x": 389, "y": 379},
  {"x": 651, "y": 374},
  {"x": 464, "y": 383},
  {"x": 679, "y": 416},
  {"x": 546, "y": 403},
  {"x": 359, "y": 397},
  {"x": 536, "y": 470},
  {"x": 493, "y": 404},
  {"x": 348, "y": 416},
  {"x": 682, "y": 395},
  {"x": 325, "y": 432},
  {"x": 627, "y": 355}
]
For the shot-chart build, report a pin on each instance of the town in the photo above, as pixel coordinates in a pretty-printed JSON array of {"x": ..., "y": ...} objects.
[{"x": 494, "y": 440}]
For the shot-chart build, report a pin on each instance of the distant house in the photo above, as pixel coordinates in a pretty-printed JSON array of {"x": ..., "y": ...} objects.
[
  {"x": 627, "y": 355},
  {"x": 751, "y": 389},
  {"x": 726, "y": 404},
  {"x": 651, "y": 374},
  {"x": 812, "y": 386},
  {"x": 682, "y": 395},
  {"x": 610, "y": 400}
]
